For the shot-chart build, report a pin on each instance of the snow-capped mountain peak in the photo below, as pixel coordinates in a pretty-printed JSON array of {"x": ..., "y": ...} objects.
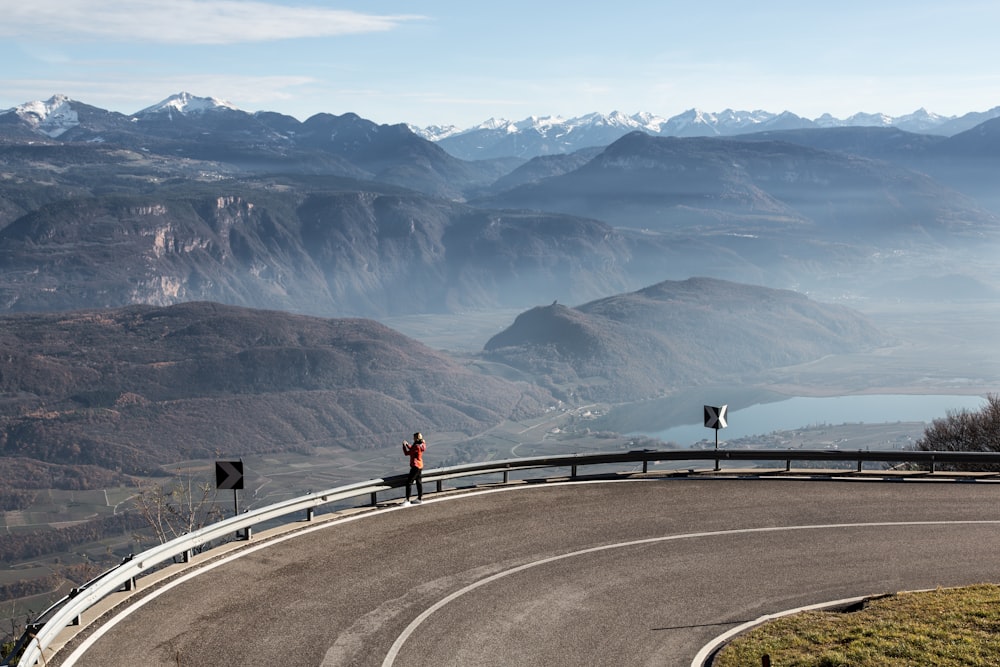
[
  {"x": 186, "y": 103},
  {"x": 493, "y": 124},
  {"x": 869, "y": 120},
  {"x": 649, "y": 121},
  {"x": 921, "y": 120},
  {"x": 52, "y": 117},
  {"x": 435, "y": 132},
  {"x": 540, "y": 123}
]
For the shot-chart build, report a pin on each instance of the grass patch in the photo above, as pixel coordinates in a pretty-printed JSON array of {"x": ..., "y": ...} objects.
[{"x": 945, "y": 627}]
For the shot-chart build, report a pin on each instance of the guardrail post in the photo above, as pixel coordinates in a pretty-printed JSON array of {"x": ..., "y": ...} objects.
[
  {"x": 439, "y": 485},
  {"x": 310, "y": 513},
  {"x": 374, "y": 500},
  {"x": 130, "y": 582},
  {"x": 572, "y": 472},
  {"x": 788, "y": 465},
  {"x": 645, "y": 466},
  {"x": 859, "y": 460},
  {"x": 506, "y": 476},
  {"x": 249, "y": 533},
  {"x": 932, "y": 464},
  {"x": 186, "y": 556},
  {"x": 73, "y": 592}
]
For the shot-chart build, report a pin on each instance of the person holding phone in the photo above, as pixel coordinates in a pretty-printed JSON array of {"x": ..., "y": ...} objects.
[{"x": 416, "y": 453}]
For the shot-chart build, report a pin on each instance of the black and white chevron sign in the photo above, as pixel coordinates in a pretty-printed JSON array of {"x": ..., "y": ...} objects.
[
  {"x": 715, "y": 417},
  {"x": 229, "y": 474}
]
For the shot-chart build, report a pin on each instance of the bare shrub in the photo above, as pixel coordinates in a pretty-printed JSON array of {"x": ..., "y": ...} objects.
[
  {"x": 965, "y": 430},
  {"x": 180, "y": 510}
]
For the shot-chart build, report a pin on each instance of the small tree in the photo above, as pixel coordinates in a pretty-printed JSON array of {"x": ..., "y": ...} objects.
[
  {"x": 965, "y": 431},
  {"x": 185, "y": 508}
]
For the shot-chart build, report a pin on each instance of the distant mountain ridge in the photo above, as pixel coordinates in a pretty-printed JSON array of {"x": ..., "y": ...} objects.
[
  {"x": 779, "y": 191},
  {"x": 547, "y": 135},
  {"x": 535, "y": 135},
  {"x": 185, "y": 126}
]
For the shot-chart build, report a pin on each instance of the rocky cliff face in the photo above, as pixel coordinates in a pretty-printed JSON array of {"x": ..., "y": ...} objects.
[{"x": 324, "y": 252}]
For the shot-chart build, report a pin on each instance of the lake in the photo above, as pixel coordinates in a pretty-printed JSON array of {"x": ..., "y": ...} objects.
[{"x": 800, "y": 412}]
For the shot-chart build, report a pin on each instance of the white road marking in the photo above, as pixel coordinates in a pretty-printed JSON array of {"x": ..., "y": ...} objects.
[{"x": 397, "y": 645}]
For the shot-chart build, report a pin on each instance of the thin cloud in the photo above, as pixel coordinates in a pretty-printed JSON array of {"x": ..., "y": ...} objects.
[{"x": 184, "y": 21}]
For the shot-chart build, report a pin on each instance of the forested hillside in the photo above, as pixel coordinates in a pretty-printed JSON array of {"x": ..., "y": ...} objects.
[
  {"x": 128, "y": 390},
  {"x": 676, "y": 334}
]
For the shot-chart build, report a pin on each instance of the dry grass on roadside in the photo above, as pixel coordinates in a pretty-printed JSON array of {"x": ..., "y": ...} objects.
[{"x": 945, "y": 628}]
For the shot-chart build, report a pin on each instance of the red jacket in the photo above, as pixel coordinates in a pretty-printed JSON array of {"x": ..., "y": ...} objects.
[{"x": 416, "y": 453}]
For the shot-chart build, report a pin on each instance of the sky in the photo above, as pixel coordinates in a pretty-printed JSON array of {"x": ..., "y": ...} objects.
[{"x": 453, "y": 62}]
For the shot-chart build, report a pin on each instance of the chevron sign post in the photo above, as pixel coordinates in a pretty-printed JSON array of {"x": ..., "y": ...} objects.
[
  {"x": 715, "y": 417},
  {"x": 229, "y": 475}
]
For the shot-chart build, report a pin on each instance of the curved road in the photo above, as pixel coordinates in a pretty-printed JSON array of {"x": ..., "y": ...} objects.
[{"x": 635, "y": 572}]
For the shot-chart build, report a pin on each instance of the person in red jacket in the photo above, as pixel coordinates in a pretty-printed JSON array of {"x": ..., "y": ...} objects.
[{"x": 416, "y": 454}]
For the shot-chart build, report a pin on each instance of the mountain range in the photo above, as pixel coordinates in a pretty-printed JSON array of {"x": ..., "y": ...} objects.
[
  {"x": 193, "y": 200},
  {"x": 547, "y": 135},
  {"x": 184, "y": 126},
  {"x": 526, "y": 138},
  {"x": 774, "y": 189}
]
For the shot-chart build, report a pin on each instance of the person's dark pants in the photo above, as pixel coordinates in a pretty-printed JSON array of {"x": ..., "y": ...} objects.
[{"x": 415, "y": 477}]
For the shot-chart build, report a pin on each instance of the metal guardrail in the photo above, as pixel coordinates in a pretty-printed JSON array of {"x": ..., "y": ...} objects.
[{"x": 44, "y": 631}]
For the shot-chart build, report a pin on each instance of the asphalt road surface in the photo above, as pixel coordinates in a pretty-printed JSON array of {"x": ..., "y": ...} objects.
[{"x": 622, "y": 573}]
